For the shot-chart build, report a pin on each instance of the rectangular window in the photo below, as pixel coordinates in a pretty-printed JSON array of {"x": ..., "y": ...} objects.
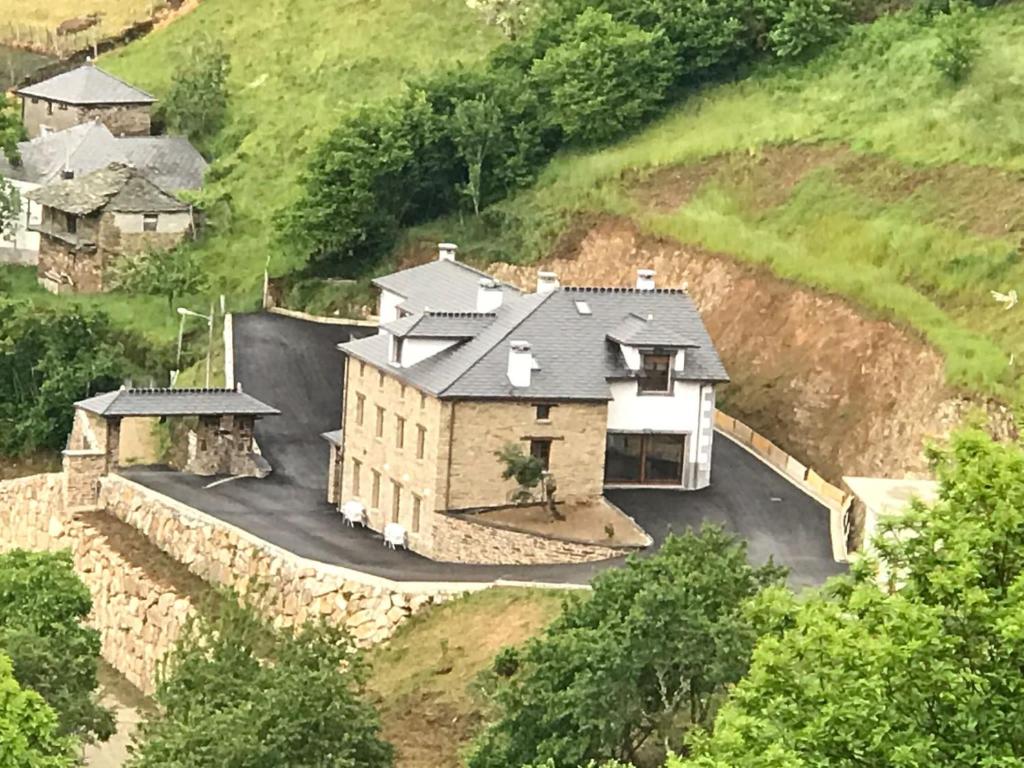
[
  {"x": 656, "y": 373},
  {"x": 380, "y": 422},
  {"x": 362, "y": 368},
  {"x": 402, "y": 393},
  {"x": 399, "y": 432},
  {"x": 421, "y": 441},
  {"x": 62, "y": 106},
  {"x": 380, "y": 379},
  {"x": 543, "y": 412},
  {"x": 423, "y": 400},
  {"x": 651, "y": 459},
  {"x": 357, "y": 468},
  {"x": 540, "y": 448},
  {"x": 417, "y": 505},
  {"x": 49, "y": 107},
  {"x": 360, "y": 408},
  {"x": 375, "y": 491},
  {"x": 70, "y": 223},
  {"x": 396, "y": 501},
  {"x": 149, "y": 222},
  {"x": 396, "y": 350}
]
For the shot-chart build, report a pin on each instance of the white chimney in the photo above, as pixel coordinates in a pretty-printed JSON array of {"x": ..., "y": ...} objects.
[
  {"x": 645, "y": 279},
  {"x": 547, "y": 282},
  {"x": 520, "y": 363},
  {"x": 446, "y": 251},
  {"x": 488, "y": 295}
]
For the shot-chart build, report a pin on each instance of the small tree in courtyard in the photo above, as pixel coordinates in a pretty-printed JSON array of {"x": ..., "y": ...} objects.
[{"x": 529, "y": 474}]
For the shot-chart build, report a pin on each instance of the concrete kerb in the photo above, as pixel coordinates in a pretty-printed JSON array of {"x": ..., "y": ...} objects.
[
  {"x": 837, "y": 513},
  {"x": 197, "y": 517},
  {"x": 366, "y": 322}
]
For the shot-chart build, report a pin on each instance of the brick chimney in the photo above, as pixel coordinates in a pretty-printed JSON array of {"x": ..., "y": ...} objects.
[
  {"x": 488, "y": 295},
  {"x": 446, "y": 251},
  {"x": 645, "y": 279},
  {"x": 547, "y": 282},
  {"x": 520, "y": 364}
]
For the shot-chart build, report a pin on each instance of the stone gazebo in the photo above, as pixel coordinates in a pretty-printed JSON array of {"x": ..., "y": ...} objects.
[{"x": 220, "y": 442}]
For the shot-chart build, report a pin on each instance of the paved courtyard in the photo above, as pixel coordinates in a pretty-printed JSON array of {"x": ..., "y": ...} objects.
[{"x": 294, "y": 366}]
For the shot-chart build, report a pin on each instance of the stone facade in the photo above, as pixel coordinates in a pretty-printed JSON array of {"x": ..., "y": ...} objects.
[
  {"x": 463, "y": 540},
  {"x": 292, "y": 589},
  {"x": 223, "y": 445},
  {"x": 139, "y": 617},
  {"x": 93, "y": 448},
  {"x": 453, "y": 466},
  {"x": 120, "y": 119},
  {"x": 79, "y": 262}
]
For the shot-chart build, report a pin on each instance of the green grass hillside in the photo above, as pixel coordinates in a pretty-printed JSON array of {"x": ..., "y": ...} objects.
[
  {"x": 297, "y": 67},
  {"x": 863, "y": 173}
]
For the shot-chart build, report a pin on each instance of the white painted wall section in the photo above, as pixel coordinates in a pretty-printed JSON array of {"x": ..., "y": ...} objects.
[
  {"x": 632, "y": 412},
  {"x": 387, "y": 306},
  {"x": 417, "y": 350},
  {"x": 25, "y": 244}
]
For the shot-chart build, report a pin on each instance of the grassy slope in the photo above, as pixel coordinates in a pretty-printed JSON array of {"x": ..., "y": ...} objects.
[
  {"x": 297, "y": 67},
  {"x": 116, "y": 15},
  {"x": 423, "y": 678},
  {"x": 905, "y": 258}
]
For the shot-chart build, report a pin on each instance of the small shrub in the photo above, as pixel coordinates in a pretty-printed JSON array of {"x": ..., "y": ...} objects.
[
  {"x": 197, "y": 101},
  {"x": 805, "y": 25},
  {"x": 958, "y": 43}
]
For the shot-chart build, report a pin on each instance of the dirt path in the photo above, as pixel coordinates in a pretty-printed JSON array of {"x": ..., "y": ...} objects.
[{"x": 843, "y": 392}]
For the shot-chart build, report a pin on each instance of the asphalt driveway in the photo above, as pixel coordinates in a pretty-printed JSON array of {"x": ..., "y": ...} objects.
[{"x": 294, "y": 366}]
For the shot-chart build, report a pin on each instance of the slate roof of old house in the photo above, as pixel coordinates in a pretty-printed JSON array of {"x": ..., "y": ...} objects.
[
  {"x": 577, "y": 360},
  {"x": 170, "y": 162},
  {"x": 175, "y": 402},
  {"x": 86, "y": 85},
  {"x": 440, "y": 325},
  {"x": 117, "y": 188},
  {"x": 439, "y": 285}
]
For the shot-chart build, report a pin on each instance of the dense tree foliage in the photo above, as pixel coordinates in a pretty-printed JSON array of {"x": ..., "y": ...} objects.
[
  {"x": 43, "y": 604},
  {"x": 239, "y": 693},
  {"x": 926, "y": 673},
  {"x": 647, "y": 651},
  {"x": 10, "y": 208},
  {"x": 28, "y": 728},
  {"x": 11, "y": 129},
  {"x": 49, "y": 358},
  {"x": 172, "y": 273},
  {"x": 197, "y": 101}
]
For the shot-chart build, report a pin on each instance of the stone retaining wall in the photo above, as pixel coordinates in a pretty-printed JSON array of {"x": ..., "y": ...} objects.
[
  {"x": 138, "y": 616},
  {"x": 458, "y": 539},
  {"x": 293, "y": 589}
]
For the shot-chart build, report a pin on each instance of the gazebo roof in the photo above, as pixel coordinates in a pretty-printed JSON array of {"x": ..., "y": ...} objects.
[{"x": 175, "y": 402}]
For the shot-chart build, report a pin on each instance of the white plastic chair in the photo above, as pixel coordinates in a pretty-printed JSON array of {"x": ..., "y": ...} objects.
[
  {"x": 395, "y": 536},
  {"x": 354, "y": 513}
]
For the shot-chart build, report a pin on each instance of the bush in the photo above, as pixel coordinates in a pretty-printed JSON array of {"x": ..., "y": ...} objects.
[
  {"x": 28, "y": 728},
  {"x": 197, "y": 101},
  {"x": 649, "y": 651},
  {"x": 604, "y": 78},
  {"x": 958, "y": 43},
  {"x": 803, "y": 26}
]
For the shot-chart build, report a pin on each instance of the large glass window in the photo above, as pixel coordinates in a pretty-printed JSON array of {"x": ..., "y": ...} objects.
[{"x": 644, "y": 459}]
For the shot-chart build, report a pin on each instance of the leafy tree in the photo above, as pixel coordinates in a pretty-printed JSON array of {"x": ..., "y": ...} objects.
[
  {"x": 172, "y": 273},
  {"x": 652, "y": 647},
  {"x": 800, "y": 27},
  {"x": 473, "y": 126},
  {"x": 197, "y": 102},
  {"x": 510, "y": 16},
  {"x": 926, "y": 674},
  {"x": 239, "y": 693},
  {"x": 958, "y": 43},
  {"x": 604, "y": 78},
  {"x": 10, "y": 208},
  {"x": 28, "y": 728},
  {"x": 11, "y": 129},
  {"x": 49, "y": 358},
  {"x": 43, "y": 605}
]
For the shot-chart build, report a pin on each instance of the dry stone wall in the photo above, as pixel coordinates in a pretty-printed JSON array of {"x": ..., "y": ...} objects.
[
  {"x": 291, "y": 589},
  {"x": 138, "y": 616}
]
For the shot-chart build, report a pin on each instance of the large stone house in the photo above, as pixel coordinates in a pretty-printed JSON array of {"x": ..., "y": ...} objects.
[
  {"x": 83, "y": 95},
  {"x": 88, "y": 223},
  {"x": 606, "y": 386},
  {"x": 170, "y": 162}
]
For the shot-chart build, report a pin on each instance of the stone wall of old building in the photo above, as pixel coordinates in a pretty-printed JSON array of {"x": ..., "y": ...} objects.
[
  {"x": 121, "y": 120},
  {"x": 137, "y": 614},
  {"x": 64, "y": 269},
  {"x": 292, "y": 588},
  {"x": 577, "y": 434},
  {"x": 122, "y": 234},
  {"x": 461, "y": 539},
  {"x": 223, "y": 445}
]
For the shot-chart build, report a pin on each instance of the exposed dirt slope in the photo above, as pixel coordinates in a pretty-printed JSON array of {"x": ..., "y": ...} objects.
[{"x": 843, "y": 392}]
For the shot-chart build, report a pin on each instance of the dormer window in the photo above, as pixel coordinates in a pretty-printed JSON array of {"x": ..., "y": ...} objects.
[
  {"x": 655, "y": 372},
  {"x": 396, "y": 350}
]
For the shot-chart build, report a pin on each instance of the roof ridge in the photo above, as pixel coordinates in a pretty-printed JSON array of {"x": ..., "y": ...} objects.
[
  {"x": 485, "y": 351},
  {"x": 454, "y": 313},
  {"x": 617, "y": 289}
]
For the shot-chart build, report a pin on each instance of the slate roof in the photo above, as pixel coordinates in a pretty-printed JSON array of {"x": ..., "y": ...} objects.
[
  {"x": 116, "y": 187},
  {"x": 440, "y": 325},
  {"x": 170, "y": 162},
  {"x": 648, "y": 331},
  {"x": 575, "y": 357},
  {"x": 439, "y": 285},
  {"x": 86, "y": 85},
  {"x": 175, "y": 402}
]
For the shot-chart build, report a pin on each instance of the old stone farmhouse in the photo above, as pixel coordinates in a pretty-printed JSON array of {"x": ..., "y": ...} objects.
[
  {"x": 170, "y": 162},
  {"x": 87, "y": 224},
  {"x": 606, "y": 386},
  {"x": 83, "y": 95}
]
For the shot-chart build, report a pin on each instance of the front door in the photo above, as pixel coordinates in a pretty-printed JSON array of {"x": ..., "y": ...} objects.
[{"x": 644, "y": 459}]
